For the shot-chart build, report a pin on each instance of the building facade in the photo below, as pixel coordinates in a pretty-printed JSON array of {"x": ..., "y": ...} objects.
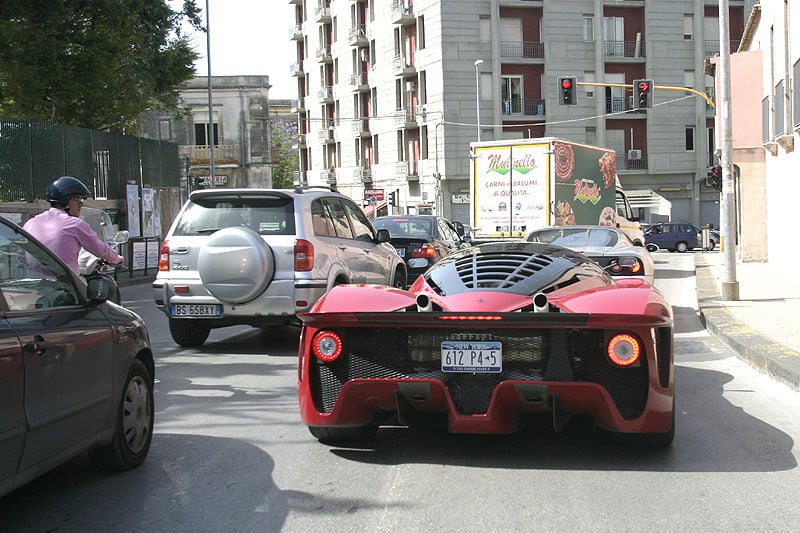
[
  {"x": 391, "y": 93},
  {"x": 240, "y": 131}
]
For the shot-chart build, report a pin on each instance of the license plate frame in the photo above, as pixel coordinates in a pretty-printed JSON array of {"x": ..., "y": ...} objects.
[
  {"x": 195, "y": 310},
  {"x": 474, "y": 357}
]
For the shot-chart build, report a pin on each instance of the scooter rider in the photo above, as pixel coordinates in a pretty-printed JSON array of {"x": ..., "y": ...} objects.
[{"x": 61, "y": 229}]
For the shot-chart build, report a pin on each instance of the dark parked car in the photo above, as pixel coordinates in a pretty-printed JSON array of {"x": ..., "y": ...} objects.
[
  {"x": 487, "y": 338},
  {"x": 422, "y": 239},
  {"x": 673, "y": 236},
  {"x": 76, "y": 371}
]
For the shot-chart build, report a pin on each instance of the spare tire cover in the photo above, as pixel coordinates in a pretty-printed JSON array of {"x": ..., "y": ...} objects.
[{"x": 236, "y": 265}]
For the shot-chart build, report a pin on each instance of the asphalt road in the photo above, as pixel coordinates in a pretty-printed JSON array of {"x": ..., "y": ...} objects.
[{"x": 230, "y": 454}]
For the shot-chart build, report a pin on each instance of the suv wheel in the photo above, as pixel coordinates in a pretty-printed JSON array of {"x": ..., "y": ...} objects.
[
  {"x": 236, "y": 265},
  {"x": 188, "y": 333}
]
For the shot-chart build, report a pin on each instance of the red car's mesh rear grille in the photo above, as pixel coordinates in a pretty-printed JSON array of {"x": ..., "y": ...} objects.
[{"x": 565, "y": 355}]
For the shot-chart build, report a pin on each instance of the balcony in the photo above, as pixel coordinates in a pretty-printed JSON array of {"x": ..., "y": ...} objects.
[
  {"x": 522, "y": 49},
  {"x": 712, "y": 48},
  {"x": 325, "y": 95},
  {"x": 328, "y": 176},
  {"x": 296, "y": 70},
  {"x": 325, "y": 135},
  {"x": 296, "y": 32},
  {"x": 295, "y": 2},
  {"x": 200, "y": 154},
  {"x": 322, "y": 14},
  {"x": 361, "y": 127},
  {"x": 324, "y": 54},
  {"x": 523, "y": 108},
  {"x": 359, "y": 82},
  {"x": 624, "y": 49},
  {"x": 302, "y": 143},
  {"x": 402, "y": 14},
  {"x": 402, "y": 68},
  {"x": 363, "y": 174},
  {"x": 632, "y": 160},
  {"x": 406, "y": 118},
  {"x": 300, "y": 177},
  {"x": 408, "y": 170},
  {"x": 299, "y": 105},
  {"x": 358, "y": 36}
]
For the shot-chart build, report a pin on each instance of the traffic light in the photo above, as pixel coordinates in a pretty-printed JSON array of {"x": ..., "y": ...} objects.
[
  {"x": 393, "y": 198},
  {"x": 568, "y": 90},
  {"x": 643, "y": 93},
  {"x": 714, "y": 178}
]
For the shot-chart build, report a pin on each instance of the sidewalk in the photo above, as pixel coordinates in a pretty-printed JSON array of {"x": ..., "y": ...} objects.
[{"x": 763, "y": 326}]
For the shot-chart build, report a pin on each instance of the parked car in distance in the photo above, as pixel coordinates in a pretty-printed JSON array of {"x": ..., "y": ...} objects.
[
  {"x": 422, "y": 239},
  {"x": 610, "y": 247},
  {"x": 673, "y": 236},
  {"x": 486, "y": 339},
  {"x": 76, "y": 371},
  {"x": 260, "y": 256}
]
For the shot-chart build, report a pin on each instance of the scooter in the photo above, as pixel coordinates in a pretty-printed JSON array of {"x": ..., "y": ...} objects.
[{"x": 91, "y": 266}]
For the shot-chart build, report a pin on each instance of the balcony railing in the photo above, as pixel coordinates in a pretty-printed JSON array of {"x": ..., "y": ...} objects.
[
  {"x": 526, "y": 49},
  {"x": 632, "y": 160},
  {"x": 402, "y": 13},
  {"x": 361, "y": 127},
  {"x": 359, "y": 81},
  {"x": 363, "y": 174},
  {"x": 324, "y": 54},
  {"x": 327, "y": 175},
  {"x": 358, "y": 36},
  {"x": 401, "y": 67},
  {"x": 296, "y": 32},
  {"x": 712, "y": 48},
  {"x": 322, "y": 13},
  {"x": 405, "y": 118},
  {"x": 623, "y": 48},
  {"x": 619, "y": 104},
  {"x": 296, "y": 70},
  {"x": 407, "y": 169},
  {"x": 524, "y": 107},
  {"x": 201, "y": 154},
  {"x": 325, "y": 94}
]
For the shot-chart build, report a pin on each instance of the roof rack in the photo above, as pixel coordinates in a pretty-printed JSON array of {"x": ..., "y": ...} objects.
[{"x": 303, "y": 188}]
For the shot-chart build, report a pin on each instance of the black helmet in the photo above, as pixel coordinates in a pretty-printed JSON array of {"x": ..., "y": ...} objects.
[{"x": 64, "y": 187}]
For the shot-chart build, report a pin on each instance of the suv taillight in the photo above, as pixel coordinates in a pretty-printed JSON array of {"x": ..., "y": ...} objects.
[
  {"x": 303, "y": 256},
  {"x": 163, "y": 257}
]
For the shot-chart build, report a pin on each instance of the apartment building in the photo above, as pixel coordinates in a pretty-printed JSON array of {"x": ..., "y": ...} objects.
[
  {"x": 765, "y": 131},
  {"x": 240, "y": 130},
  {"x": 391, "y": 93}
]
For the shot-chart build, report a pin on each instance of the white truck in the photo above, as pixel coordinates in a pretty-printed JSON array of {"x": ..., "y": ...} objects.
[{"x": 519, "y": 185}]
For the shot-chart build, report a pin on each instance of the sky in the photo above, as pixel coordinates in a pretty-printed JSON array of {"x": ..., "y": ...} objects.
[{"x": 248, "y": 37}]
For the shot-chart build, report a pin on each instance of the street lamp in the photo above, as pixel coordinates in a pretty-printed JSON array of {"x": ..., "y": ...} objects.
[{"x": 478, "y": 62}]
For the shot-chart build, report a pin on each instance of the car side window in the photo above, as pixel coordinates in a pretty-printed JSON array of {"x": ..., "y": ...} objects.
[
  {"x": 361, "y": 225},
  {"x": 29, "y": 277},
  {"x": 338, "y": 216},
  {"x": 321, "y": 221}
]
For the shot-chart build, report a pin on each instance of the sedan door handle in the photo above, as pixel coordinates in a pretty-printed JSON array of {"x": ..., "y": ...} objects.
[{"x": 37, "y": 346}]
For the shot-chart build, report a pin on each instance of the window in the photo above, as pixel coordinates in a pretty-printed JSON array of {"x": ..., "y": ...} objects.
[
  {"x": 689, "y": 136},
  {"x": 588, "y": 28},
  {"x": 511, "y": 94},
  {"x": 338, "y": 216},
  {"x": 361, "y": 225},
  {"x": 420, "y": 32},
  {"x": 765, "y": 120},
  {"x": 688, "y": 27},
  {"x": 375, "y": 158},
  {"x": 422, "y": 90},
  {"x": 779, "y": 107},
  {"x": 485, "y": 29},
  {"x": 614, "y": 35},
  {"x": 423, "y": 142},
  {"x": 201, "y": 134},
  {"x": 165, "y": 129},
  {"x": 588, "y": 89}
]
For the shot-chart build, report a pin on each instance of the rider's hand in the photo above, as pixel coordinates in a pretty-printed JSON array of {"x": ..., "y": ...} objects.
[{"x": 120, "y": 262}]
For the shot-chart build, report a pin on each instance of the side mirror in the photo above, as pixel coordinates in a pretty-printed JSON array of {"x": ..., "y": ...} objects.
[
  {"x": 121, "y": 237},
  {"x": 98, "y": 290},
  {"x": 383, "y": 235},
  {"x": 459, "y": 228}
]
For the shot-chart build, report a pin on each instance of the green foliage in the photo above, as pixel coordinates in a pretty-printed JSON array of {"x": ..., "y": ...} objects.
[
  {"x": 284, "y": 154},
  {"x": 92, "y": 63}
]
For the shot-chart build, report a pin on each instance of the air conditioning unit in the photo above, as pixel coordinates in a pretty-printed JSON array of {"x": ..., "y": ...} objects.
[{"x": 634, "y": 154}]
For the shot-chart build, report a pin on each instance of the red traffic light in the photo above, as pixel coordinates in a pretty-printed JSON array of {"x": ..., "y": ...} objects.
[
  {"x": 716, "y": 171},
  {"x": 643, "y": 86},
  {"x": 566, "y": 83}
]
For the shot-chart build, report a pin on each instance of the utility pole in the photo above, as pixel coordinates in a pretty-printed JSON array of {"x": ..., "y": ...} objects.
[{"x": 729, "y": 287}]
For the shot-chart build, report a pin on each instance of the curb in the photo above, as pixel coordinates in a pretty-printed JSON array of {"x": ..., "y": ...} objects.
[{"x": 774, "y": 359}]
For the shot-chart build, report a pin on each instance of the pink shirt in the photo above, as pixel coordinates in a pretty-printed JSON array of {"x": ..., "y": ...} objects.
[{"x": 65, "y": 235}]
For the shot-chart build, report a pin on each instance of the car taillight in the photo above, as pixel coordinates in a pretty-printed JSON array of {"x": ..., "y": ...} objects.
[
  {"x": 327, "y": 346},
  {"x": 631, "y": 266},
  {"x": 623, "y": 349},
  {"x": 163, "y": 257},
  {"x": 303, "y": 256},
  {"x": 426, "y": 250}
]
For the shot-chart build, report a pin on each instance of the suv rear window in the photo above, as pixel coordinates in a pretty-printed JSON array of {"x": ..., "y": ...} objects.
[{"x": 267, "y": 216}]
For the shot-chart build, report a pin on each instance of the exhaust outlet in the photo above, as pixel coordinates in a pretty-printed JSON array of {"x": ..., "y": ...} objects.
[
  {"x": 424, "y": 304},
  {"x": 540, "y": 304}
]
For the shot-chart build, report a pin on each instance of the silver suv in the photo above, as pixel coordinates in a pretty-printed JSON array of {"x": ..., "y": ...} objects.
[{"x": 260, "y": 256}]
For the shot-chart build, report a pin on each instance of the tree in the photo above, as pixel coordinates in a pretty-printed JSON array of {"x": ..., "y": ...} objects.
[
  {"x": 284, "y": 154},
  {"x": 93, "y": 63}
]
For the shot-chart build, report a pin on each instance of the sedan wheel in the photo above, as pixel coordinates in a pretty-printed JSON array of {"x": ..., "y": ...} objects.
[
  {"x": 681, "y": 247},
  {"x": 133, "y": 430},
  {"x": 652, "y": 247},
  {"x": 400, "y": 280}
]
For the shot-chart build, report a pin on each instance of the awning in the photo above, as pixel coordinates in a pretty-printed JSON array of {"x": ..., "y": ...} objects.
[
  {"x": 657, "y": 204},
  {"x": 370, "y": 208}
]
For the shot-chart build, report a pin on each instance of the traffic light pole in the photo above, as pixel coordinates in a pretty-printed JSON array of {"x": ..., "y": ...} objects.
[{"x": 702, "y": 95}]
